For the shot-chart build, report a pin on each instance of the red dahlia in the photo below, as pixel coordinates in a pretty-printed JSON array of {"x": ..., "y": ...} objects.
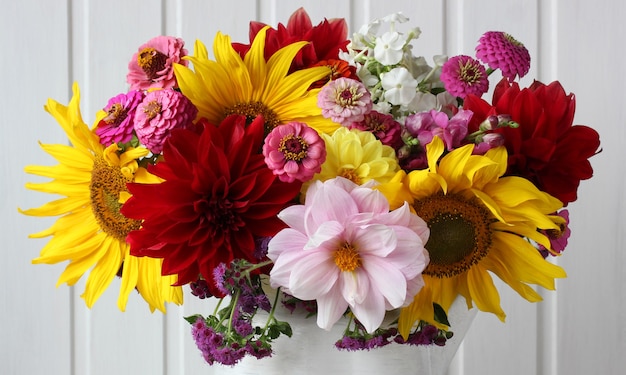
[
  {"x": 217, "y": 197},
  {"x": 546, "y": 148},
  {"x": 326, "y": 39}
]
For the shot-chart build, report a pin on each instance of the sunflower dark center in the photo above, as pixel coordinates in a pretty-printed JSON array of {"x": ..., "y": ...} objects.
[
  {"x": 252, "y": 110},
  {"x": 151, "y": 62},
  {"x": 293, "y": 147},
  {"x": 107, "y": 183},
  {"x": 460, "y": 233}
]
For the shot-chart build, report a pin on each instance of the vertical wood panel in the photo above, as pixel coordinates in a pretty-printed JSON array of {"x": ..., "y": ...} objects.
[
  {"x": 34, "y": 315},
  {"x": 592, "y": 301}
]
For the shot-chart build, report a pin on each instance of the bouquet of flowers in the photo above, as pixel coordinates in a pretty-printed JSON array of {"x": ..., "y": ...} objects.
[{"x": 345, "y": 176}]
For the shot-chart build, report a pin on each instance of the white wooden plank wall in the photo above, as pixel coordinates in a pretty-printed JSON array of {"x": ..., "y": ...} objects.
[{"x": 47, "y": 44}]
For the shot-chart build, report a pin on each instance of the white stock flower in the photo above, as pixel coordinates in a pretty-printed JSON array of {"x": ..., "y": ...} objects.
[
  {"x": 389, "y": 48},
  {"x": 399, "y": 85}
]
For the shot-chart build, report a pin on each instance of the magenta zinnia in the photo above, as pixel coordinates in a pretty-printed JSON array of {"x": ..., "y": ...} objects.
[
  {"x": 501, "y": 51},
  {"x": 462, "y": 75},
  {"x": 217, "y": 197},
  {"x": 294, "y": 151}
]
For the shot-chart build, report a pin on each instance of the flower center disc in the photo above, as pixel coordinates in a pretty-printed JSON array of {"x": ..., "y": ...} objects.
[
  {"x": 347, "y": 258},
  {"x": 251, "y": 111},
  {"x": 107, "y": 182},
  {"x": 460, "y": 233},
  {"x": 151, "y": 62},
  {"x": 293, "y": 147}
]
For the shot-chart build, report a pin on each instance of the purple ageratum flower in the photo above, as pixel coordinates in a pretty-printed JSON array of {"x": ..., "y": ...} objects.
[
  {"x": 294, "y": 151},
  {"x": 159, "y": 113},
  {"x": 118, "y": 125},
  {"x": 384, "y": 127},
  {"x": 463, "y": 75},
  {"x": 344, "y": 101},
  {"x": 345, "y": 249},
  {"x": 426, "y": 125},
  {"x": 501, "y": 51},
  {"x": 152, "y": 65}
]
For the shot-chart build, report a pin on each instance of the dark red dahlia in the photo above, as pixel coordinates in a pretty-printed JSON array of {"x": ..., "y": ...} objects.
[
  {"x": 546, "y": 148},
  {"x": 326, "y": 39},
  {"x": 217, "y": 197}
]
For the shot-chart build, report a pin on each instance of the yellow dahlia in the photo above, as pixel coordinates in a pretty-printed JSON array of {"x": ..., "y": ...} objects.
[
  {"x": 252, "y": 86},
  {"x": 90, "y": 232},
  {"x": 358, "y": 156},
  {"x": 480, "y": 223}
]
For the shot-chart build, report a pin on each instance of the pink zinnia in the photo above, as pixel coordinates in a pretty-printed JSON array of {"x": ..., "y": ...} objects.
[
  {"x": 501, "y": 51},
  {"x": 384, "y": 127},
  {"x": 152, "y": 65},
  {"x": 344, "y": 101},
  {"x": 426, "y": 125},
  {"x": 159, "y": 113},
  {"x": 294, "y": 151},
  {"x": 463, "y": 75},
  {"x": 118, "y": 125},
  {"x": 345, "y": 249}
]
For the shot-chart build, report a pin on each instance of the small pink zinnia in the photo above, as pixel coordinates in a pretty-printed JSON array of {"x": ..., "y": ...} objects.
[
  {"x": 294, "y": 151},
  {"x": 159, "y": 113},
  {"x": 426, "y": 125},
  {"x": 463, "y": 75},
  {"x": 384, "y": 127},
  {"x": 118, "y": 125},
  {"x": 501, "y": 51},
  {"x": 345, "y": 249},
  {"x": 152, "y": 65},
  {"x": 344, "y": 100}
]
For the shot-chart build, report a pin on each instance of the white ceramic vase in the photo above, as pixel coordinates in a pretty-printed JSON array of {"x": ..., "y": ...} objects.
[{"x": 311, "y": 350}]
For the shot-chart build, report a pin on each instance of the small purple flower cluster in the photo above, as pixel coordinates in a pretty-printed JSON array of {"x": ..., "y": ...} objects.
[
  {"x": 230, "y": 334},
  {"x": 216, "y": 347},
  {"x": 426, "y": 334},
  {"x": 364, "y": 341}
]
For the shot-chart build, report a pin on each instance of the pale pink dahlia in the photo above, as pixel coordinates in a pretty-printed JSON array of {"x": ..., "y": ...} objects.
[
  {"x": 463, "y": 75},
  {"x": 118, "y": 125},
  {"x": 344, "y": 101},
  {"x": 159, "y": 113},
  {"x": 152, "y": 65},
  {"x": 294, "y": 151},
  {"x": 501, "y": 51},
  {"x": 345, "y": 249}
]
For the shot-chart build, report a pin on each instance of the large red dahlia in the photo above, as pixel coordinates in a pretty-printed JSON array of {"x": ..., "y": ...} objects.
[
  {"x": 546, "y": 148},
  {"x": 326, "y": 39},
  {"x": 217, "y": 197}
]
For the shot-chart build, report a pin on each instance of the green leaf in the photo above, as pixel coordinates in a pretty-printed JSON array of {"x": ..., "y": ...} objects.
[
  {"x": 284, "y": 328},
  {"x": 440, "y": 315},
  {"x": 192, "y": 319}
]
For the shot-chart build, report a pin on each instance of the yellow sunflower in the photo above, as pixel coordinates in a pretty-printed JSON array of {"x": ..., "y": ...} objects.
[
  {"x": 480, "y": 223},
  {"x": 90, "y": 232},
  {"x": 253, "y": 86}
]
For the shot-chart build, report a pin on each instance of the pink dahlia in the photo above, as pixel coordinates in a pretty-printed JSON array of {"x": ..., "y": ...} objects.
[
  {"x": 501, "y": 51},
  {"x": 426, "y": 125},
  {"x": 159, "y": 113},
  {"x": 217, "y": 197},
  {"x": 344, "y": 101},
  {"x": 345, "y": 249},
  {"x": 294, "y": 151},
  {"x": 152, "y": 65},
  {"x": 118, "y": 125},
  {"x": 463, "y": 75},
  {"x": 384, "y": 127}
]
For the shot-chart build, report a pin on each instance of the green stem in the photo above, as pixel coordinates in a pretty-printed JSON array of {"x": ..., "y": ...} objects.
[{"x": 270, "y": 318}]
